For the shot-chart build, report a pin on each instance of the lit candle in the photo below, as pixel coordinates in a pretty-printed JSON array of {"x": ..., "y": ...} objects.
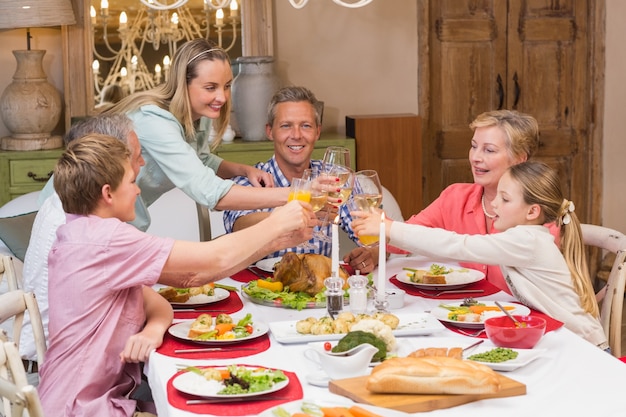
[
  {"x": 166, "y": 62},
  {"x": 234, "y": 8},
  {"x": 174, "y": 20},
  {"x": 123, "y": 73},
  {"x": 95, "y": 66},
  {"x": 219, "y": 17},
  {"x": 157, "y": 73},
  {"x": 92, "y": 13},
  {"x": 133, "y": 63},
  {"x": 334, "y": 265},
  {"x": 123, "y": 21},
  {"x": 104, "y": 7},
  {"x": 382, "y": 258}
]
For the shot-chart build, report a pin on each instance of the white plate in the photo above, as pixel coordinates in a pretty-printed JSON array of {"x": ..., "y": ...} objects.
[
  {"x": 181, "y": 330},
  {"x": 195, "y": 384},
  {"x": 458, "y": 278},
  {"x": 442, "y": 313},
  {"x": 295, "y": 407},
  {"x": 524, "y": 357},
  {"x": 268, "y": 264},
  {"x": 219, "y": 294},
  {"x": 410, "y": 325}
]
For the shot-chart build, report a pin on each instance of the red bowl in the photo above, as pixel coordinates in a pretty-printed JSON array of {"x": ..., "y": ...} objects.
[{"x": 503, "y": 333}]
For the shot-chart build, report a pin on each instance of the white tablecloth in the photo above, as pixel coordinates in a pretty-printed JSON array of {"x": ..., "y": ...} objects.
[{"x": 573, "y": 377}]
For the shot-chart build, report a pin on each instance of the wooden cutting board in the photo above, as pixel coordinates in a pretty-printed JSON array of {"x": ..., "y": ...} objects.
[{"x": 354, "y": 388}]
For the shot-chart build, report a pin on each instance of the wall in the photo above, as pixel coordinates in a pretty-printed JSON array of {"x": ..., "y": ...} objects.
[
  {"x": 358, "y": 61},
  {"x": 45, "y": 38},
  {"x": 614, "y": 153}
]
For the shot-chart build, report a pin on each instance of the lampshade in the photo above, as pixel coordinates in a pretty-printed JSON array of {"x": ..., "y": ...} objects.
[
  {"x": 35, "y": 13},
  {"x": 30, "y": 106}
]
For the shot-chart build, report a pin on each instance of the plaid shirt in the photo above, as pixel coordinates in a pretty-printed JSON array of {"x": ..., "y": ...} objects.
[{"x": 324, "y": 248}]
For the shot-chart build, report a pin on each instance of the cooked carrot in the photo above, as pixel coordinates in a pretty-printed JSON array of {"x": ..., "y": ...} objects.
[
  {"x": 223, "y": 328},
  {"x": 336, "y": 412},
  {"x": 480, "y": 309},
  {"x": 224, "y": 373},
  {"x": 362, "y": 412}
]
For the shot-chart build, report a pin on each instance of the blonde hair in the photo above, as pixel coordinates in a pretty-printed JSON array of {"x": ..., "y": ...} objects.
[
  {"x": 85, "y": 167},
  {"x": 542, "y": 186},
  {"x": 173, "y": 94},
  {"x": 521, "y": 130}
]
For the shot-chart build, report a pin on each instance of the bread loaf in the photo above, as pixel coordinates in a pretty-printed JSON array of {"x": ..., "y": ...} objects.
[
  {"x": 434, "y": 279},
  {"x": 454, "y": 352},
  {"x": 432, "y": 375}
]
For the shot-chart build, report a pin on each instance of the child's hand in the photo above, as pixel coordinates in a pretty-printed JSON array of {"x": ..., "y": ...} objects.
[
  {"x": 366, "y": 223},
  {"x": 139, "y": 346}
]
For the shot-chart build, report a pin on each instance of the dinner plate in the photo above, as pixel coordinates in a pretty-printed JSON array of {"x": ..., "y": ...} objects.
[
  {"x": 458, "y": 278},
  {"x": 296, "y": 407},
  {"x": 524, "y": 357},
  {"x": 268, "y": 264},
  {"x": 181, "y": 331},
  {"x": 195, "y": 384},
  {"x": 410, "y": 325},
  {"x": 312, "y": 303},
  {"x": 442, "y": 313},
  {"x": 219, "y": 294}
]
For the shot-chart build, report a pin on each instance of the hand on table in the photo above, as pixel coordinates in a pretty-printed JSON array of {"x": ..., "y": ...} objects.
[{"x": 362, "y": 258}]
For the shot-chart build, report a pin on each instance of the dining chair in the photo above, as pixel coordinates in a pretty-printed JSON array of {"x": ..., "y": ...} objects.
[
  {"x": 7, "y": 273},
  {"x": 612, "y": 293},
  {"x": 18, "y": 397},
  {"x": 13, "y": 305}
]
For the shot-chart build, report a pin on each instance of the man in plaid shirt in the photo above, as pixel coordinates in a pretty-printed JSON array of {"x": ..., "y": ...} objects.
[{"x": 294, "y": 125}]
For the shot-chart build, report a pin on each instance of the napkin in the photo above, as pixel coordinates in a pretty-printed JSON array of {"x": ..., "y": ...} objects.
[
  {"x": 170, "y": 344},
  {"x": 551, "y": 325},
  {"x": 292, "y": 392},
  {"x": 483, "y": 284},
  {"x": 230, "y": 305}
]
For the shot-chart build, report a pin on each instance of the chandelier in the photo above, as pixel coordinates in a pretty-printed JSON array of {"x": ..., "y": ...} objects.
[
  {"x": 157, "y": 23},
  {"x": 298, "y": 4}
]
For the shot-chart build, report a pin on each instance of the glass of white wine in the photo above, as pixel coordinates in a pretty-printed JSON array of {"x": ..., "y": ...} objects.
[{"x": 368, "y": 195}]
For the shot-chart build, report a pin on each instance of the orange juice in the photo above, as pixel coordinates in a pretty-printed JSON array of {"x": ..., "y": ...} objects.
[
  {"x": 302, "y": 195},
  {"x": 368, "y": 240}
]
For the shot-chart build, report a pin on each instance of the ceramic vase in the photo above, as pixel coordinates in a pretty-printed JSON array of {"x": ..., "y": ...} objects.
[
  {"x": 30, "y": 106},
  {"x": 253, "y": 89}
]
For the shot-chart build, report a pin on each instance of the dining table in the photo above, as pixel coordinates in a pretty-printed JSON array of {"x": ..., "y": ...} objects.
[{"x": 570, "y": 376}]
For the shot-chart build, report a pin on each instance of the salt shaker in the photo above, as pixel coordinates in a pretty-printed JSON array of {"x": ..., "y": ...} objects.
[
  {"x": 358, "y": 293},
  {"x": 334, "y": 295}
]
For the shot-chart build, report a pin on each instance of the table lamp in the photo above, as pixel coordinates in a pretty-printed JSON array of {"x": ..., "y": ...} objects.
[{"x": 30, "y": 106}]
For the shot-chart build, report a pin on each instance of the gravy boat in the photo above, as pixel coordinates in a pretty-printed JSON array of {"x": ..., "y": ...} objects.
[{"x": 349, "y": 364}]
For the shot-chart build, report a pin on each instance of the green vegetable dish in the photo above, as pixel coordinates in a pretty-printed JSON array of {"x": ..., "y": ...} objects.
[
  {"x": 358, "y": 337},
  {"x": 285, "y": 298},
  {"x": 496, "y": 355}
]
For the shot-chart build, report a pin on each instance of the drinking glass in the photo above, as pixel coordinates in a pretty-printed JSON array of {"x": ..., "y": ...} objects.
[
  {"x": 368, "y": 195},
  {"x": 301, "y": 190}
]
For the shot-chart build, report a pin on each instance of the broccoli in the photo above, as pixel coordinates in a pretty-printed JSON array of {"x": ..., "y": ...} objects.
[{"x": 358, "y": 337}]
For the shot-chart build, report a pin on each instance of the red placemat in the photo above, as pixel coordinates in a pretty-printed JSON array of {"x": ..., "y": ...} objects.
[
  {"x": 551, "y": 325},
  {"x": 292, "y": 392},
  {"x": 247, "y": 276},
  {"x": 487, "y": 287},
  {"x": 231, "y": 350},
  {"x": 229, "y": 305}
]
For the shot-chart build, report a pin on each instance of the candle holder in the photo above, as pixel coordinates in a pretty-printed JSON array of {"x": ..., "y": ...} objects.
[{"x": 381, "y": 305}]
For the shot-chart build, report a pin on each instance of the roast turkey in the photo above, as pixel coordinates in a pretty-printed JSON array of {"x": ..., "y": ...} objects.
[{"x": 306, "y": 272}]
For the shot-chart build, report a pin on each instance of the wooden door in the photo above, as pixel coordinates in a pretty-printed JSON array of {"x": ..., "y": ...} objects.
[{"x": 532, "y": 56}]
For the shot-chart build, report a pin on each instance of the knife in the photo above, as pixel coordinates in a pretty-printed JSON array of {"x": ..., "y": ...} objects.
[
  {"x": 193, "y": 310},
  {"x": 194, "y": 350},
  {"x": 257, "y": 273},
  {"x": 473, "y": 345},
  {"x": 235, "y": 399}
]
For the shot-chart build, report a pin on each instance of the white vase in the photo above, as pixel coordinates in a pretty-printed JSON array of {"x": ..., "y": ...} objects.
[
  {"x": 253, "y": 89},
  {"x": 30, "y": 106}
]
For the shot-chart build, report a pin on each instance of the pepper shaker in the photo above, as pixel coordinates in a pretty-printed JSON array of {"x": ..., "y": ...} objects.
[{"x": 334, "y": 295}]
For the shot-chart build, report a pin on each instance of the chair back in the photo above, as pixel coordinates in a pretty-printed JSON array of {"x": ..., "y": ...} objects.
[
  {"x": 18, "y": 397},
  {"x": 612, "y": 294},
  {"x": 7, "y": 273},
  {"x": 13, "y": 305}
]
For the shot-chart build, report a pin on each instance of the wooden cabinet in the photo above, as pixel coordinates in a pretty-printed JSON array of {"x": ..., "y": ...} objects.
[
  {"x": 250, "y": 153},
  {"x": 533, "y": 56},
  {"x": 391, "y": 144},
  {"x": 22, "y": 172}
]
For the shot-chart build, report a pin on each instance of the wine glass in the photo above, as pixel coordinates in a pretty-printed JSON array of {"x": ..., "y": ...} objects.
[
  {"x": 368, "y": 195},
  {"x": 336, "y": 163},
  {"x": 301, "y": 190},
  {"x": 337, "y": 155}
]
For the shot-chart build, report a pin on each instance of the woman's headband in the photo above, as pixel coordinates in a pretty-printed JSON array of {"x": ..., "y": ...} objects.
[{"x": 202, "y": 53}]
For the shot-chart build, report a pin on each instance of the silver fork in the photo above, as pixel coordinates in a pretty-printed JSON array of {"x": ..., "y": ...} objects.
[{"x": 470, "y": 334}]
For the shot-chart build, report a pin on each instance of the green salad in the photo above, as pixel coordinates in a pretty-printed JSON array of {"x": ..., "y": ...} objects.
[{"x": 297, "y": 300}]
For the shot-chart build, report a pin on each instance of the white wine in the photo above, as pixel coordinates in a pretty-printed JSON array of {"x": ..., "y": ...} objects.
[
  {"x": 318, "y": 202},
  {"x": 365, "y": 202},
  {"x": 342, "y": 195}
]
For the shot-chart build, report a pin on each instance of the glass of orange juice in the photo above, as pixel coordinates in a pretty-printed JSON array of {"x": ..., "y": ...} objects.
[{"x": 300, "y": 190}]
